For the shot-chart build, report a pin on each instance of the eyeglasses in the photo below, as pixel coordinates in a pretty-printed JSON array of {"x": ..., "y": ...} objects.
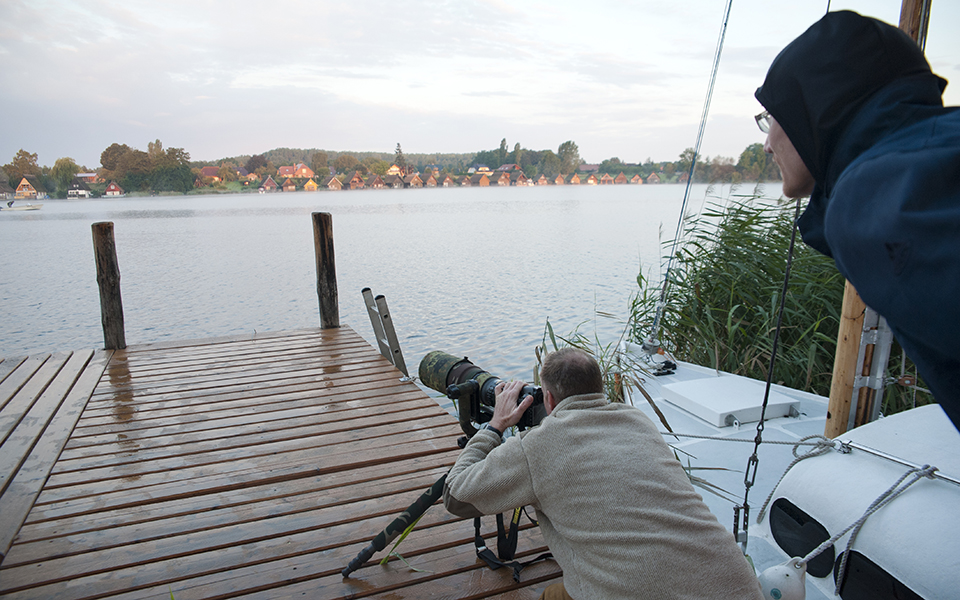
[{"x": 763, "y": 121}]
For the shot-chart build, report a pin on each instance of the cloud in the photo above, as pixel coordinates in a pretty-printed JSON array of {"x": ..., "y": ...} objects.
[
  {"x": 622, "y": 79},
  {"x": 491, "y": 94}
]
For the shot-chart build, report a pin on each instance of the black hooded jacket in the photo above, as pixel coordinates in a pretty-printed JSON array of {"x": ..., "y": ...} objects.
[{"x": 858, "y": 101}]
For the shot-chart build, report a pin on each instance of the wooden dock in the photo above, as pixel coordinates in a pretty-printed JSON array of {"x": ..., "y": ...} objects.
[{"x": 253, "y": 467}]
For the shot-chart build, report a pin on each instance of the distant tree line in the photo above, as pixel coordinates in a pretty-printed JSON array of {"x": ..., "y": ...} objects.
[
  {"x": 170, "y": 169},
  {"x": 753, "y": 164}
]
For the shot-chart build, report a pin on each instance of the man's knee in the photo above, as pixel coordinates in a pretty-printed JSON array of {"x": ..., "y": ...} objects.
[{"x": 555, "y": 592}]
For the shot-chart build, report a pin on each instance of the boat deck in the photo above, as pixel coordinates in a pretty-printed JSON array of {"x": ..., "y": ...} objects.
[{"x": 253, "y": 467}]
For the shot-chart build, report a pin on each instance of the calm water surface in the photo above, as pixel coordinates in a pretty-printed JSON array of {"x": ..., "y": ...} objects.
[{"x": 474, "y": 272}]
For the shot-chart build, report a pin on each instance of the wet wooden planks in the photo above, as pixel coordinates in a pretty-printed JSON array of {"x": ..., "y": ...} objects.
[
  {"x": 41, "y": 398},
  {"x": 252, "y": 467}
]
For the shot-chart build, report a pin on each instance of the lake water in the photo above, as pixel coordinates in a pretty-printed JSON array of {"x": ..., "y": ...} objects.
[{"x": 474, "y": 272}]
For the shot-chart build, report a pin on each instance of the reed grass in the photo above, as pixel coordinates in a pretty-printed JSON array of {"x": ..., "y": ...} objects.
[{"x": 724, "y": 292}]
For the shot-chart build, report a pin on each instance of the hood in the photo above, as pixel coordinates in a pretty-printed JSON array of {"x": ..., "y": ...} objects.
[{"x": 820, "y": 82}]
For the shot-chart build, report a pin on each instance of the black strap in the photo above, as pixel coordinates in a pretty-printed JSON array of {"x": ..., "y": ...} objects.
[
  {"x": 507, "y": 540},
  {"x": 506, "y": 547}
]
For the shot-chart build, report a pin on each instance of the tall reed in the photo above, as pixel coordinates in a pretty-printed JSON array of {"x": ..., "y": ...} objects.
[{"x": 724, "y": 293}]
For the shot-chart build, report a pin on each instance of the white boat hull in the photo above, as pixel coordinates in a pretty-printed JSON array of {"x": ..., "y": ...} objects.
[
  {"x": 22, "y": 207},
  {"x": 915, "y": 541}
]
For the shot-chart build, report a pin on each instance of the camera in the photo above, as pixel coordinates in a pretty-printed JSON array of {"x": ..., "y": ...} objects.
[{"x": 474, "y": 390}]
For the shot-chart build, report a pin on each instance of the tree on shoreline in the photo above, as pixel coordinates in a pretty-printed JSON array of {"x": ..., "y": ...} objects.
[
  {"x": 23, "y": 163},
  {"x": 63, "y": 172},
  {"x": 255, "y": 162},
  {"x": 320, "y": 164},
  {"x": 569, "y": 156}
]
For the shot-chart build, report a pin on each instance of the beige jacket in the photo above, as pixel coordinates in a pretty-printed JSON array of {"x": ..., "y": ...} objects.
[{"x": 615, "y": 506}]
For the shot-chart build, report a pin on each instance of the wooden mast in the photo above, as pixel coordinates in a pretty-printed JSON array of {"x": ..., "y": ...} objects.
[{"x": 914, "y": 15}]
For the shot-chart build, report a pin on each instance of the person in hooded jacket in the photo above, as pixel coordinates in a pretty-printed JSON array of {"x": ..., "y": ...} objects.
[{"x": 855, "y": 120}]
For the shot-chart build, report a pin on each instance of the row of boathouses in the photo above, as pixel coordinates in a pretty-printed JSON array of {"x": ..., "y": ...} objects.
[{"x": 355, "y": 181}]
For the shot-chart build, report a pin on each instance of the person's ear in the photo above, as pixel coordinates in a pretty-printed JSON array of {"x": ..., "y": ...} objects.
[{"x": 549, "y": 402}]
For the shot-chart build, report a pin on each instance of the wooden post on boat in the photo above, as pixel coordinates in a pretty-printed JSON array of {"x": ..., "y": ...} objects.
[
  {"x": 845, "y": 362},
  {"x": 108, "y": 279},
  {"x": 914, "y": 16},
  {"x": 326, "y": 271}
]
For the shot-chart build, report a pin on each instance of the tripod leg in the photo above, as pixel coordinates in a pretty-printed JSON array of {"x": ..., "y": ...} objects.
[{"x": 398, "y": 526}]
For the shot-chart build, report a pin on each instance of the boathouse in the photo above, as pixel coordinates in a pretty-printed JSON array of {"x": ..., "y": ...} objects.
[
  {"x": 353, "y": 181},
  {"x": 501, "y": 178},
  {"x": 480, "y": 180},
  {"x": 113, "y": 189},
  {"x": 269, "y": 185},
  {"x": 310, "y": 185},
  {"x": 30, "y": 188},
  {"x": 393, "y": 180},
  {"x": 620, "y": 179},
  {"x": 78, "y": 189}
]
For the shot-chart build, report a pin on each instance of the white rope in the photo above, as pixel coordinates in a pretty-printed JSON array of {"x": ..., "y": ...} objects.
[
  {"x": 884, "y": 499},
  {"x": 822, "y": 445},
  {"x": 825, "y": 441}
]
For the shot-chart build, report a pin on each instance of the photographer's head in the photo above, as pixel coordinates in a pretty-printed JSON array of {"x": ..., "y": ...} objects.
[{"x": 569, "y": 372}]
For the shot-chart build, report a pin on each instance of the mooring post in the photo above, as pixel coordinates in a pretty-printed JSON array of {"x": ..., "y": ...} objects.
[
  {"x": 326, "y": 271},
  {"x": 108, "y": 279}
]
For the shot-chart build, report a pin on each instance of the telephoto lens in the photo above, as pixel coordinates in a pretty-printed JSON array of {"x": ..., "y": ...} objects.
[{"x": 474, "y": 390}]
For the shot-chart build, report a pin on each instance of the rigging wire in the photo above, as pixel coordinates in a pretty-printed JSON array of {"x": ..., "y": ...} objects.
[
  {"x": 750, "y": 474},
  {"x": 693, "y": 165}
]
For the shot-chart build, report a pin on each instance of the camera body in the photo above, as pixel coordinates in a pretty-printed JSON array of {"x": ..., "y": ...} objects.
[{"x": 474, "y": 390}]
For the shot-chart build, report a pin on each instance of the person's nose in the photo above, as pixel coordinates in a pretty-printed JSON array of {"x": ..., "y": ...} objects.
[{"x": 766, "y": 145}]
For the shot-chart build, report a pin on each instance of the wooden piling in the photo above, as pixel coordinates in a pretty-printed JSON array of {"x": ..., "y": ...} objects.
[
  {"x": 326, "y": 271},
  {"x": 108, "y": 279}
]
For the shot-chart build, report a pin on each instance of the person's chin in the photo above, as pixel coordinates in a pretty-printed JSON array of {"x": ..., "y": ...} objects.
[{"x": 795, "y": 190}]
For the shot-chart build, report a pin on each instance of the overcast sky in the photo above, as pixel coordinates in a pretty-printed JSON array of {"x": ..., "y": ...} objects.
[{"x": 620, "y": 78}]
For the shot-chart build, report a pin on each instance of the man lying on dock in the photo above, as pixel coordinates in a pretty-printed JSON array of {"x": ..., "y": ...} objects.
[{"x": 615, "y": 506}]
